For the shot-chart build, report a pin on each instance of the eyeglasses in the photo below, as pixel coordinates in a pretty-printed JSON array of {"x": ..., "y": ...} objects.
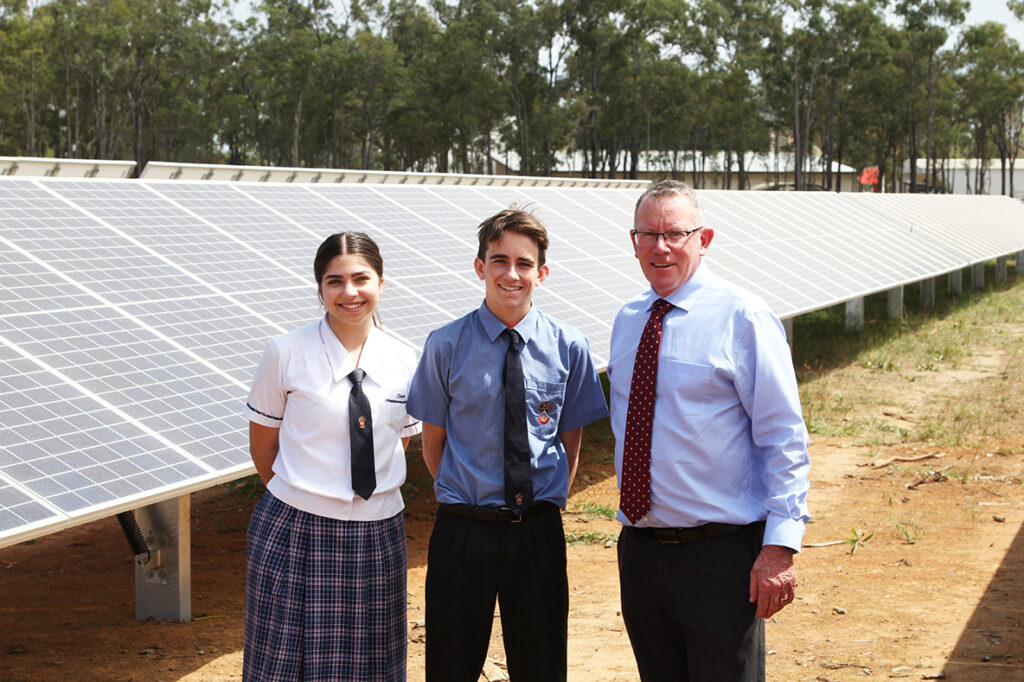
[{"x": 672, "y": 238}]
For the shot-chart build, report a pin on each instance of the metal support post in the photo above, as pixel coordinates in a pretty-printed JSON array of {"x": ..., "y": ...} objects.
[
  {"x": 895, "y": 303},
  {"x": 956, "y": 282},
  {"x": 854, "y": 315},
  {"x": 163, "y": 575},
  {"x": 978, "y": 276},
  {"x": 928, "y": 292}
]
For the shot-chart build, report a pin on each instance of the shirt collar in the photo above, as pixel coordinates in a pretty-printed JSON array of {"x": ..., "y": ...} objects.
[
  {"x": 373, "y": 361},
  {"x": 493, "y": 327},
  {"x": 687, "y": 294}
]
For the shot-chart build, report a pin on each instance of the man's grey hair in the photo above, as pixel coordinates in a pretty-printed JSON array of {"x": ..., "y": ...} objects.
[{"x": 672, "y": 188}]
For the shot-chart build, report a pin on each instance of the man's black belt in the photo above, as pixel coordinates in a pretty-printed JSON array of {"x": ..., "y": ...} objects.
[
  {"x": 685, "y": 536},
  {"x": 495, "y": 514}
]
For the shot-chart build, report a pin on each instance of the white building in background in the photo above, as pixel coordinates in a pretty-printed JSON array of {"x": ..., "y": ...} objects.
[
  {"x": 960, "y": 176},
  {"x": 764, "y": 171}
]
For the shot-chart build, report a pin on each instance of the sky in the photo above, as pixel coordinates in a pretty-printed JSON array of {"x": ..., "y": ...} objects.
[{"x": 996, "y": 10}]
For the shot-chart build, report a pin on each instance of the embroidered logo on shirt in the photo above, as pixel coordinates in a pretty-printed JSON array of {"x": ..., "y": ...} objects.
[
  {"x": 544, "y": 410},
  {"x": 362, "y": 422}
]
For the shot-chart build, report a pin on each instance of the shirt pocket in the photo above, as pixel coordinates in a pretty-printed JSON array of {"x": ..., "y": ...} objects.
[
  {"x": 392, "y": 412},
  {"x": 543, "y": 407},
  {"x": 686, "y": 385}
]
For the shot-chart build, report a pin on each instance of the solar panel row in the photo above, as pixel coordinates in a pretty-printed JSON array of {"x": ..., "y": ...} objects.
[{"x": 133, "y": 312}]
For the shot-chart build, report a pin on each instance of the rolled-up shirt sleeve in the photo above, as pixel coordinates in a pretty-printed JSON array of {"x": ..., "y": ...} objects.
[{"x": 768, "y": 389}]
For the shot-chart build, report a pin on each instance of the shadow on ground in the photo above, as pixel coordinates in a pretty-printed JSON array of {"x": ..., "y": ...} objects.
[{"x": 991, "y": 647}]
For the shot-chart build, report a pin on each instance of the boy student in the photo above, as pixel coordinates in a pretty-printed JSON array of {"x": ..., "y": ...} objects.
[{"x": 503, "y": 393}]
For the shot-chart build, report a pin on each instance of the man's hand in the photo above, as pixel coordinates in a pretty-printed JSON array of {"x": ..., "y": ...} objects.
[{"x": 772, "y": 580}]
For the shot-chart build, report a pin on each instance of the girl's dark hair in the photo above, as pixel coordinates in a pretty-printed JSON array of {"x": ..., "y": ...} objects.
[{"x": 343, "y": 244}]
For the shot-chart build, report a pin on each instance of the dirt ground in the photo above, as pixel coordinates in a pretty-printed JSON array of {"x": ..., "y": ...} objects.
[{"x": 914, "y": 564}]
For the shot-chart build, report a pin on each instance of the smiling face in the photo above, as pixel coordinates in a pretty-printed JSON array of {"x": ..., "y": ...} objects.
[
  {"x": 350, "y": 289},
  {"x": 510, "y": 271},
  {"x": 667, "y": 267}
]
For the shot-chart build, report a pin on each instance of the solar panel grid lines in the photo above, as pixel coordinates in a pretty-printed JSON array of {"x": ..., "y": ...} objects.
[
  {"x": 93, "y": 455},
  {"x": 974, "y": 228},
  {"x": 862, "y": 252},
  {"x": 23, "y": 512},
  {"x": 116, "y": 308},
  {"x": 753, "y": 249}
]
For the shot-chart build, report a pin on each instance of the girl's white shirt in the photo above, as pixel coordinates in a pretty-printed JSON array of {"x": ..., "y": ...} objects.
[{"x": 301, "y": 387}]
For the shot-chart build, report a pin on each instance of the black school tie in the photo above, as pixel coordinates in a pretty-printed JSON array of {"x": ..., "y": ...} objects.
[
  {"x": 518, "y": 482},
  {"x": 360, "y": 427}
]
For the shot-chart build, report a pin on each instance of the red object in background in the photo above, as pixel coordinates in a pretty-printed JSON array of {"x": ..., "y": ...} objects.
[{"x": 869, "y": 176}]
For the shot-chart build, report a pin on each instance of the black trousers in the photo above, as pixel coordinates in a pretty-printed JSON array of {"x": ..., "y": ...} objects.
[
  {"x": 469, "y": 562},
  {"x": 687, "y": 607}
]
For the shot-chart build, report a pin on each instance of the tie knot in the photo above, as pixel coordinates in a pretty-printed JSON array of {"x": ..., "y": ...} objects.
[
  {"x": 356, "y": 376},
  {"x": 513, "y": 337},
  {"x": 660, "y": 307}
]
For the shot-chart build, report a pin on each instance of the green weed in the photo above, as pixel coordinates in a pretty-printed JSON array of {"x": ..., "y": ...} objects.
[
  {"x": 857, "y": 539},
  {"x": 589, "y": 537},
  {"x": 594, "y": 510}
]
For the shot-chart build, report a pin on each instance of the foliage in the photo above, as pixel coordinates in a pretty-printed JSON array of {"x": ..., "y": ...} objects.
[
  {"x": 446, "y": 86},
  {"x": 589, "y": 537},
  {"x": 857, "y": 539}
]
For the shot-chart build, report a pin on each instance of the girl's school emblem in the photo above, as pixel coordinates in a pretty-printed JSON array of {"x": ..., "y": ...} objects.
[
  {"x": 362, "y": 422},
  {"x": 544, "y": 412}
]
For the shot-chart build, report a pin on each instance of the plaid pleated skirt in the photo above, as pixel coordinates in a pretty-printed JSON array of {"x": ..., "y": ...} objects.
[{"x": 324, "y": 599}]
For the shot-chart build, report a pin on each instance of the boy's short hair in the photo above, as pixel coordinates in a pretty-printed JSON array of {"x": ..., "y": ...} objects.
[{"x": 512, "y": 220}]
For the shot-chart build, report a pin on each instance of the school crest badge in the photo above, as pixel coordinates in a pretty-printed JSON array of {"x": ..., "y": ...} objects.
[
  {"x": 544, "y": 412},
  {"x": 362, "y": 422}
]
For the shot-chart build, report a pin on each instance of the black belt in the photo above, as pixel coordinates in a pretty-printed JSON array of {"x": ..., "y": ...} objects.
[
  {"x": 495, "y": 514},
  {"x": 685, "y": 536}
]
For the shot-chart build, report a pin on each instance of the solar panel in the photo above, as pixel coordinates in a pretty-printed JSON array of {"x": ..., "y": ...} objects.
[{"x": 132, "y": 312}]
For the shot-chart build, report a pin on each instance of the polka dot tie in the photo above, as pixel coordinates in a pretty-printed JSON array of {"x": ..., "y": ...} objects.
[{"x": 635, "y": 497}]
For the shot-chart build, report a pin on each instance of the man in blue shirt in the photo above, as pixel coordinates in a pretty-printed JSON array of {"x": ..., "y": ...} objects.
[
  {"x": 498, "y": 530},
  {"x": 711, "y": 454}
]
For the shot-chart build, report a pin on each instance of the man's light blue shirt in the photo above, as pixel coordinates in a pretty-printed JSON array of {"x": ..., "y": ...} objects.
[
  {"x": 729, "y": 443},
  {"x": 458, "y": 385}
]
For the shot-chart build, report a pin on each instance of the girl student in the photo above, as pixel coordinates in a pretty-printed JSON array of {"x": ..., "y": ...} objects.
[{"x": 325, "y": 592}]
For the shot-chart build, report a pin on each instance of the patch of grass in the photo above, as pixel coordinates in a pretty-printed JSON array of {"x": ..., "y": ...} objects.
[
  {"x": 594, "y": 510},
  {"x": 820, "y": 342},
  {"x": 589, "y": 537},
  {"x": 906, "y": 529},
  {"x": 952, "y": 424}
]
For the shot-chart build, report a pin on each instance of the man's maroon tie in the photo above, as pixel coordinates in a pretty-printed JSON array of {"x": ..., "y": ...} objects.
[{"x": 635, "y": 496}]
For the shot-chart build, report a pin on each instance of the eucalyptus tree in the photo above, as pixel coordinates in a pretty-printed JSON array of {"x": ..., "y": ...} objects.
[
  {"x": 528, "y": 58},
  {"x": 419, "y": 127},
  {"x": 925, "y": 25},
  {"x": 736, "y": 41},
  {"x": 860, "y": 46},
  {"x": 469, "y": 89},
  {"x": 596, "y": 41},
  {"x": 26, "y": 78},
  {"x": 991, "y": 82}
]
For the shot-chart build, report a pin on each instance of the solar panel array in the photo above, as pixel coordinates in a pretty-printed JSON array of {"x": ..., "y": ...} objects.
[{"x": 132, "y": 313}]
